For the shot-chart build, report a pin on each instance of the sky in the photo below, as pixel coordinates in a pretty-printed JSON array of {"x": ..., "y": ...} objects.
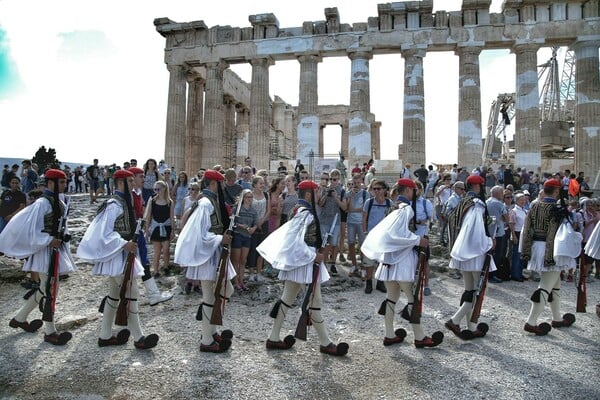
[{"x": 88, "y": 78}]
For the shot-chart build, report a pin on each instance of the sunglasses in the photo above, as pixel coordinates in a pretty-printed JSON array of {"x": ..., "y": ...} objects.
[
  {"x": 377, "y": 188},
  {"x": 335, "y": 179},
  {"x": 157, "y": 189},
  {"x": 325, "y": 179}
]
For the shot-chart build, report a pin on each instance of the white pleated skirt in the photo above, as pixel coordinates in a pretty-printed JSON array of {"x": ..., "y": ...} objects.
[
  {"x": 537, "y": 263},
  {"x": 304, "y": 274},
  {"x": 401, "y": 272},
  {"x": 40, "y": 261},
  {"x": 473, "y": 264},
  {"x": 208, "y": 270}
]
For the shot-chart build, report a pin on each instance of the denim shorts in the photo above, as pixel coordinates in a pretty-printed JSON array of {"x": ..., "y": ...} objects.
[{"x": 240, "y": 241}]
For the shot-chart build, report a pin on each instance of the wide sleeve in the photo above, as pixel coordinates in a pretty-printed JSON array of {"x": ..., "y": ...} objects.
[
  {"x": 196, "y": 244},
  {"x": 100, "y": 242},
  {"x": 286, "y": 245},
  {"x": 472, "y": 240},
  {"x": 592, "y": 247},
  {"x": 23, "y": 234},
  {"x": 391, "y": 237}
]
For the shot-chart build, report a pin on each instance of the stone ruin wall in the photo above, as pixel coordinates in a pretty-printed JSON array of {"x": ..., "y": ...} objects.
[{"x": 409, "y": 29}]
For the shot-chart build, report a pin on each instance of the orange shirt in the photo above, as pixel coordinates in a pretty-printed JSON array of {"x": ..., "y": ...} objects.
[{"x": 573, "y": 187}]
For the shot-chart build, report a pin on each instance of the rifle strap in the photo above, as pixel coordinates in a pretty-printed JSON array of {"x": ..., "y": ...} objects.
[{"x": 553, "y": 292}]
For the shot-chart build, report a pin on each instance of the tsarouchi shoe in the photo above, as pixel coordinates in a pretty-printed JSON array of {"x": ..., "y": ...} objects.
[
  {"x": 539, "y": 330},
  {"x": 146, "y": 342},
  {"x": 284, "y": 344},
  {"x": 432, "y": 341},
  {"x": 216, "y": 347},
  {"x": 30, "y": 327},
  {"x": 121, "y": 338},
  {"x": 57, "y": 339},
  {"x": 399, "y": 338},
  {"x": 341, "y": 349},
  {"x": 568, "y": 320}
]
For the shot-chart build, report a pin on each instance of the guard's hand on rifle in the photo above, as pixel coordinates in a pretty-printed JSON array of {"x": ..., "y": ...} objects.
[
  {"x": 319, "y": 258},
  {"x": 130, "y": 247},
  {"x": 55, "y": 243},
  {"x": 424, "y": 243},
  {"x": 226, "y": 239}
]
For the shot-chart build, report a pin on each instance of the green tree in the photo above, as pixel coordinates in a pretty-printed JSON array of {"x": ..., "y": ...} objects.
[{"x": 45, "y": 159}]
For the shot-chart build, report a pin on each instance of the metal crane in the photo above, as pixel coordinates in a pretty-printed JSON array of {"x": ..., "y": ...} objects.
[{"x": 502, "y": 112}]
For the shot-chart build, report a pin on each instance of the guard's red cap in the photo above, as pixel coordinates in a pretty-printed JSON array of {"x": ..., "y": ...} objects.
[
  {"x": 213, "y": 175},
  {"x": 55, "y": 174},
  {"x": 475, "y": 180},
  {"x": 135, "y": 170},
  {"x": 552, "y": 183},
  {"x": 122, "y": 174},
  {"x": 407, "y": 183},
  {"x": 307, "y": 185}
]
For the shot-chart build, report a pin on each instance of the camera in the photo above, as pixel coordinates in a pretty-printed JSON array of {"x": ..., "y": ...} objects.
[{"x": 329, "y": 192}]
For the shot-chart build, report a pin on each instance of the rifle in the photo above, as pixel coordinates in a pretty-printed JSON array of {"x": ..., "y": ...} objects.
[
  {"x": 49, "y": 300},
  {"x": 304, "y": 321},
  {"x": 581, "y": 287},
  {"x": 216, "y": 318},
  {"x": 417, "y": 309},
  {"x": 481, "y": 286},
  {"x": 121, "y": 318}
]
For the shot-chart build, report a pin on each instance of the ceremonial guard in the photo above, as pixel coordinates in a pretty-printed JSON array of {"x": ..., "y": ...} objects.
[
  {"x": 538, "y": 248},
  {"x": 199, "y": 248},
  {"x": 107, "y": 243},
  {"x": 470, "y": 242},
  {"x": 152, "y": 292},
  {"x": 293, "y": 249},
  {"x": 394, "y": 243},
  {"x": 38, "y": 233}
]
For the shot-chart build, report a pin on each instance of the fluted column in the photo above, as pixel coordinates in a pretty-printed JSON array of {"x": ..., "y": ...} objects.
[
  {"x": 260, "y": 114},
  {"x": 413, "y": 131},
  {"x": 242, "y": 128},
  {"x": 230, "y": 132},
  {"x": 376, "y": 140},
  {"x": 194, "y": 121},
  {"x": 469, "y": 107},
  {"x": 587, "y": 111},
  {"x": 308, "y": 120},
  {"x": 528, "y": 137},
  {"x": 345, "y": 134},
  {"x": 359, "y": 127},
  {"x": 175, "y": 131},
  {"x": 214, "y": 127}
]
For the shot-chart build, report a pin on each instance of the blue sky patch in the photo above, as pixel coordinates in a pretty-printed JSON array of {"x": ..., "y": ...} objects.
[
  {"x": 84, "y": 45},
  {"x": 10, "y": 80}
]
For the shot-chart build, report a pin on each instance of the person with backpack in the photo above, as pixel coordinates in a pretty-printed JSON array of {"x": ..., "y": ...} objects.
[
  {"x": 332, "y": 204},
  {"x": 355, "y": 201},
  {"x": 374, "y": 211}
]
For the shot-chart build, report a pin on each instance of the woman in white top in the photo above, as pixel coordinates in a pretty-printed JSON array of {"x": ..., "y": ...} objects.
[{"x": 516, "y": 219}]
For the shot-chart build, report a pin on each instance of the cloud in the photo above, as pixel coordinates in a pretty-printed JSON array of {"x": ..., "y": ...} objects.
[
  {"x": 10, "y": 79},
  {"x": 84, "y": 45}
]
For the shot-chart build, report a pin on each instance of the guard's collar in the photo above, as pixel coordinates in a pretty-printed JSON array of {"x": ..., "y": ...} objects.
[
  {"x": 305, "y": 204},
  {"x": 48, "y": 192},
  {"x": 403, "y": 199},
  {"x": 549, "y": 200},
  {"x": 120, "y": 194},
  {"x": 209, "y": 193}
]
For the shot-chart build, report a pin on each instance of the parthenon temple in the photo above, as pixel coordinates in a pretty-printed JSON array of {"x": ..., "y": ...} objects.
[{"x": 213, "y": 117}]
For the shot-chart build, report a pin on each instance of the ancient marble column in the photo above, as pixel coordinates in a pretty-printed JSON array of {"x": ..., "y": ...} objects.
[
  {"x": 527, "y": 113},
  {"x": 345, "y": 134},
  {"x": 308, "y": 128},
  {"x": 230, "y": 139},
  {"x": 175, "y": 135},
  {"x": 194, "y": 121},
  {"x": 260, "y": 115},
  {"x": 242, "y": 127},
  {"x": 214, "y": 127},
  {"x": 587, "y": 111},
  {"x": 376, "y": 139},
  {"x": 469, "y": 107},
  {"x": 359, "y": 127},
  {"x": 413, "y": 131}
]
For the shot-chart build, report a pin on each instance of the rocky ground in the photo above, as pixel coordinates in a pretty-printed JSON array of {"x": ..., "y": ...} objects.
[{"x": 507, "y": 364}]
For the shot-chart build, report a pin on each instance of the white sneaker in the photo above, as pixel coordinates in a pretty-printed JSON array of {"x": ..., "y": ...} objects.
[
  {"x": 153, "y": 293},
  {"x": 259, "y": 278}
]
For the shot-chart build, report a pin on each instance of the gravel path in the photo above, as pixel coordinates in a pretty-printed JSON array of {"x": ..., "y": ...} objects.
[{"x": 507, "y": 364}]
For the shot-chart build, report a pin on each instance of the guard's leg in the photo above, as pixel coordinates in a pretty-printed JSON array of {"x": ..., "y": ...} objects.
[
  {"x": 133, "y": 318},
  {"x": 538, "y": 301},
  {"x": 466, "y": 301},
  {"x": 558, "y": 320},
  {"x": 318, "y": 322},
  {"x": 208, "y": 301},
  {"x": 32, "y": 301},
  {"x": 110, "y": 308},
  {"x": 279, "y": 312},
  {"x": 388, "y": 309}
]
